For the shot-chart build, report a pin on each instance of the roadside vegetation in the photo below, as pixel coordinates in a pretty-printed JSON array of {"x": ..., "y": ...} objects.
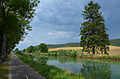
[{"x": 4, "y": 69}]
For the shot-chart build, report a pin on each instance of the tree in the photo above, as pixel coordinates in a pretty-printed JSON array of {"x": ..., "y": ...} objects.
[
  {"x": 15, "y": 16},
  {"x": 93, "y": 31},
  {"x": 43, "y": 48},
  {"x": 31, "y": 49}
]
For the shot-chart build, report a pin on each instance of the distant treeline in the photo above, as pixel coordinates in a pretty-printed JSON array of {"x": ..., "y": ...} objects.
[
  {"x": 114, "y": 42},
  {"x": 63, "y": 45}
]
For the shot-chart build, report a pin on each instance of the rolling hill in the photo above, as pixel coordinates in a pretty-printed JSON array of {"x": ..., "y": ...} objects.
[{"x": 114, "y": 42}]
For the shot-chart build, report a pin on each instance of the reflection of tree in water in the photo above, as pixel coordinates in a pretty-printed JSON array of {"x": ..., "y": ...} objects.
[
  {"x": 63, "y": 60},
  {"x": 96, "y": 70}
]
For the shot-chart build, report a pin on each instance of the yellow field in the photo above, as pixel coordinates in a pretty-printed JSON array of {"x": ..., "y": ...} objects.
[
  {"x": 66, "y": 48},
  {"x": 114, "y": 51}
]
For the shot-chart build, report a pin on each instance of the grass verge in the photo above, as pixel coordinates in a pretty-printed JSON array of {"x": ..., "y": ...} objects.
[{"x": 4, "y": 69}]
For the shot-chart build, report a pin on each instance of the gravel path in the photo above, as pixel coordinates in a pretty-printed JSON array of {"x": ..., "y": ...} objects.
[{"x": 20, "y": 70}]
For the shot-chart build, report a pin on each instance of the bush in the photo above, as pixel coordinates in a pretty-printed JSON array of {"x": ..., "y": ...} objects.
[
  {"x": 30, "y": 49},
  {"x": 43, "y": 48},
  {"x": 74, "y": 54}
]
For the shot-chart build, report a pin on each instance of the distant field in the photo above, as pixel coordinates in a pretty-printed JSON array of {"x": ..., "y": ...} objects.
[
  {"x": 65, "y": 48},
  {"x": 114, "y": 50}
]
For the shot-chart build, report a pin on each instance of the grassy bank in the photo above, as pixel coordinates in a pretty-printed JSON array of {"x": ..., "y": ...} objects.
[
  {"x": 4, "y": 69},
  {"x": 78, "y": 54},
  {"x": 113, "y": 58},
  {"x": 50, "y": 72}
]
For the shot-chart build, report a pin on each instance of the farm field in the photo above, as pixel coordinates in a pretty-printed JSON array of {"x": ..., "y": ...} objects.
[{"x": 114, "y": 50}]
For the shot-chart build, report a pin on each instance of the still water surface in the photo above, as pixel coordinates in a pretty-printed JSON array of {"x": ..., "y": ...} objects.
[{"x": 90, "y": 69}]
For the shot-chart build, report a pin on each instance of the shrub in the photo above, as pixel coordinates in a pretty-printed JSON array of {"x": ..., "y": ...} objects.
[
  {"x": 30, "y": 49},
  {"x": 74, "y": 54},
  {"x": 43, "y": 48}
]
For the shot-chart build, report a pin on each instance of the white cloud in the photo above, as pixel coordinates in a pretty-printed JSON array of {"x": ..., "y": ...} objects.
[{"x": 25, "y": 42}]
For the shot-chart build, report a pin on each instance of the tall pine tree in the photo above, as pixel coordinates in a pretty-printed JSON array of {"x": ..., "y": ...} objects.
[{"x": 93, "y": 31}]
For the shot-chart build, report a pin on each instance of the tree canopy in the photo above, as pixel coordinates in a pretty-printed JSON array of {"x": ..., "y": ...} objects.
[
  {"x": 93, "y": 30},
  {"x": 15, "y": 16}
]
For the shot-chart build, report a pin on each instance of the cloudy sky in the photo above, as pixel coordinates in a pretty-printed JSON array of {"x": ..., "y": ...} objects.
[{"x": 59, "y": 21}]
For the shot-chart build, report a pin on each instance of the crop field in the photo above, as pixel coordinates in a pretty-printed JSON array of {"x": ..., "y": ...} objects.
[{"x": 114, "y": 50}]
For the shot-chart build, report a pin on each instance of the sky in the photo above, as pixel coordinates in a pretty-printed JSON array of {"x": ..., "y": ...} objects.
[{"x": 59, "y": 21}]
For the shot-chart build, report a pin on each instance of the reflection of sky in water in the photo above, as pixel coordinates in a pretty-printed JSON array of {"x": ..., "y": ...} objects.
[
  {"x": 76, "y": 67},
  {"x": 71, "y": 66},
  {"x": 115, "y": 71}
]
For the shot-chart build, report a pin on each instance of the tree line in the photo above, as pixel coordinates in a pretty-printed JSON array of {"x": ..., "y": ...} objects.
[
  {"x": 31, "y": 49},
  {"x": 15, "y": 17}
]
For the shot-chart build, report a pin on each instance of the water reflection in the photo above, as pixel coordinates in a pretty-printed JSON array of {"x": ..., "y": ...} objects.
[
  {"x": 64, "y": 60},
  {"x": 96, "y": 70},
  {"x": 90, "y": 69}
]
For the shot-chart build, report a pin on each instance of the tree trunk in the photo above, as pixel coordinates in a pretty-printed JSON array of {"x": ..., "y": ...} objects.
[
  {"x": 2, "y": 45},
  {"x": 93, "y": 50},
  {"x": 105, "y": 51}
]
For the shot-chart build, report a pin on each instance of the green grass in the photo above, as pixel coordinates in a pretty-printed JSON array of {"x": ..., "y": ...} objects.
[
  {"x": 50, "y": 72},
  {"x": 4, "y": 69},
  {"x": 70, "y": 53}
]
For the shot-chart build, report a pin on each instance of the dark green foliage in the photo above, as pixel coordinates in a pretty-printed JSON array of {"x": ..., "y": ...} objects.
[
  {"x": 43, "y": 48},
  {"x": 15, "y": 16},
  {"x": 74, "y": 54},
  {"x": 93, "y": 30},
  {"x": 30, "y": 49}
]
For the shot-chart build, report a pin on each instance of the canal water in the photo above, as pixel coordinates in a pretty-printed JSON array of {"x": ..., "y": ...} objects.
[{"x": 90, "y": 69}]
